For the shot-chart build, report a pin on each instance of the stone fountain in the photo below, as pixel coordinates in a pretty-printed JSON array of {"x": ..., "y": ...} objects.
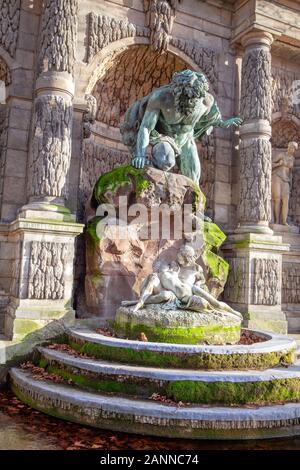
[{"x": 170, "y": 337}]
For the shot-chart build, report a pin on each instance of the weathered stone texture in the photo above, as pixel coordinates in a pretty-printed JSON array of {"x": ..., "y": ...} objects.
[
  {"x": 51, "y": 149},
  {"x": 235, "y": 289},
  {"x": 133, "y": 75},
  {"x": 265, "y": 285},
  {"x": 4, "y": 121},
  {"x": 284, "y": 132},
  {"x": 291, "y": 283},
  {"x": 256, "y": 90},
  {"x": 104, "y": 30},
  {"x": 47, "y": 266},
  {"x": 5, "y": 75},
  {"x": 97, "y": 159},
  {"x": 255, "y": 187},
  {"x": 204, "y": 57},
  {"x": 160, "y": 16},
  {"x": 207, "y": 153},
  {"x": 9, "y": 25},
  {"x": 58, "y": 36},
  {"x": 283, "y": 91}
]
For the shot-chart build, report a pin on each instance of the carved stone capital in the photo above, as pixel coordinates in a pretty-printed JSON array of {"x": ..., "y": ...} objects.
[
  {"x": 55, "y": 83},
  {"x": 260, "y": 128},
  {"x": 255, "y": 39}
]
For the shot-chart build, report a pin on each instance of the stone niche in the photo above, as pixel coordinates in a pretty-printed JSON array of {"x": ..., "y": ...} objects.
[{"x": 128, "y": 75}]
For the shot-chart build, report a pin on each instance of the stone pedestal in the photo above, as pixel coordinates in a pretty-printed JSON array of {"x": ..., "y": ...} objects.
[
  {"x": 177, "y": 326},
  {"x": 42, "y": 283},
  {"x": 44, "y": 232},
  {"x": 290, "y": 275},
  {"x": 255, "y": 279}
]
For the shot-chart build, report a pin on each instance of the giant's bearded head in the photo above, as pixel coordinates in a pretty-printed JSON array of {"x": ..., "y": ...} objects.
[{"x": 188, "y": 87}]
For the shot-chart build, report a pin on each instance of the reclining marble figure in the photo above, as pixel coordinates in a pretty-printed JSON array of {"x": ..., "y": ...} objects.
[
  {"x": 170, "y": 118},
  {"x": 179, "y": 285}
]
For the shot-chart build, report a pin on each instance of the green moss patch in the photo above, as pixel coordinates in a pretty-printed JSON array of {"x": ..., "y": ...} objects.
[
  {"x": 183, "y": 360},
  {"x": 189, "y": 391},
  {"x": 217, "y": 266},
  {"x": 208, "y": 334},
  {"x": 113, "y": 180}
]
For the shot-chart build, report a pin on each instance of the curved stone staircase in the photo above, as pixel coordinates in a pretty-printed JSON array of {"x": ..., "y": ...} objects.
[{"x": 210, "y": 392}]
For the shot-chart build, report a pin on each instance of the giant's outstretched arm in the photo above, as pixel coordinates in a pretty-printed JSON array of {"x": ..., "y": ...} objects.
[
  {"x": 213, "y": 118},
  {"x": 234, "y": 121},
  {"x": 147, "y": 125}
]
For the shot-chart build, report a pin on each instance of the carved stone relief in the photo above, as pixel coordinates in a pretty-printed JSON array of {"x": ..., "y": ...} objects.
[
  {"x": 235, "y": 289},
  {"x": 265, "y": 282},
  {"x": 103, "y": 30},
  {"x": 256, "y": 90},
  {"x": 207, "y": 154},
  {"x": 283, "y": 132},
  {"x": 47, "y": 266},
  {"x": 4, "y": 73},
  {"x": 204, "y": 57},
  {"x": 58, "y": 36},
  {"x": 255, "y": 187},
  {"x": 160, "y": 16},
  {"x": 120, "y": 87},
  {"x": 291, "y": 283},
  {"x": 4, "y": 121},
  {"x": 282, "y": 92},
  {"x": 51, "y": 146},
  {"x": 89, "y": 116},
  {"x": 97, "y": 159},
  {"x": 9, "y": 21}
]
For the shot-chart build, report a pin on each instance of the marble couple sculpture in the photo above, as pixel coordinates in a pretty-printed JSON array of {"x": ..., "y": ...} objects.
[
  {"x": 175, "y": 304},
  {"x": 170, "y": 119},
  {"x": 179, "y": 284}
]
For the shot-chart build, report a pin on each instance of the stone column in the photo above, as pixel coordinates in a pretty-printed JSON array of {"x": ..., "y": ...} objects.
[
  {"x": 45, "y": 230},
  {"x": 254, "y": 207},
  {"x": 253, "y": 252},
  {"x": 50, "y": 151}
]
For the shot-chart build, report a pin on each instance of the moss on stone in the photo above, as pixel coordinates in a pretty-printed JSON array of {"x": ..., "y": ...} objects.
[
  {"x": 183, "y": 360},
  {"x": 191, "y": 391},
  {"x": 235, "y": 393},
  {"x": 209, "y": 334},
  {"x": 213, "y": 238},
  {"x": 91, "y": 230},
  {"x": 213, "y": 235},
  {"x": 113, "y": 180}
]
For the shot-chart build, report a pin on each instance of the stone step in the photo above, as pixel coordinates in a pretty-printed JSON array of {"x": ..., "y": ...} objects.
[
  {"x": 275, "y": 350},
  {"x": 148, "y": 417},
  {"x": 226, "y": 387}
]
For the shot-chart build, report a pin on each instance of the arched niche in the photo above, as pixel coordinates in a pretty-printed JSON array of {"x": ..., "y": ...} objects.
[
  {"x": 125, "y": 75},
  {"x": 285, "y": 129},
  {"x": 135, "y": 73}
]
